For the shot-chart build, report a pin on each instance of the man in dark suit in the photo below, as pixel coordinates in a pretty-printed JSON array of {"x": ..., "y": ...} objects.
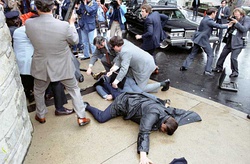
[
  {"x": 236, "y": 36},
  {"x": 221, "y": 18},
  {"x": 153, "y": 32},
  {"x": 52, "y": 59},
  {"x": 201, "y": 39},
  {"x": 195, "y": 4}
]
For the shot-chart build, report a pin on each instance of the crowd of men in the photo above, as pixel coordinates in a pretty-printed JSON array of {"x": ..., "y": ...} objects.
[{"x": 44, "y": 47}]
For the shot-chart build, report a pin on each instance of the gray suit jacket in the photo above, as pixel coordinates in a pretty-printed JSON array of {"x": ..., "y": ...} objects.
[
  {"x": 226, "y": 13},
  {"x": 201, "y": 37},
  {"x": 52, "y": 55},
  {"x": 135, "y": 62},
  {"x": 241, "y": 29}
]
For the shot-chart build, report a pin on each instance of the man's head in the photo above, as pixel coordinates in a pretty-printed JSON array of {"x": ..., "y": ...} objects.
[
  {"x": 238, "y": 13},
  {"x": 98, "y": 2},
  {"x": 116, "y": 43},
  {"x": 44, "y": 5},
  {"x": 99, "y": 42},
  {"x": 211, "y": 12},
  {"x": 145, "y": 10},
  {"x": 169, "y": 126},
  {"x": 223, "y": 3}
]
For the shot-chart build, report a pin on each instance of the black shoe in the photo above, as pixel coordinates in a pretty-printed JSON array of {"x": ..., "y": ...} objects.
[
  {"x": 86, "y": 103},
  {"x": 248, "y": 116},
  {"x": 81, "y": 79},
  {"x": 166, "y": 85},
  {"x": 183, "y": 68},
  {"x": 208, "y": 73},
  {"x": 85, "y": 58},
  {"x": 234, "y": 74},
  {"x": 217, "y": 70},
  {"x": 63, "y": 112}
]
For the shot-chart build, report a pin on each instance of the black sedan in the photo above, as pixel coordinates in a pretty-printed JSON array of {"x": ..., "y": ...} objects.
[{"x": 179, "y": 29}]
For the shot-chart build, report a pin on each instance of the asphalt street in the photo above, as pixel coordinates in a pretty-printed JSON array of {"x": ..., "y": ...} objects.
[{"x": 193, "y": 80}]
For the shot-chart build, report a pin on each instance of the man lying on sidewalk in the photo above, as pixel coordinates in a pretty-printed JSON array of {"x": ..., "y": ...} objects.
[{"x": 149, "y": 112}]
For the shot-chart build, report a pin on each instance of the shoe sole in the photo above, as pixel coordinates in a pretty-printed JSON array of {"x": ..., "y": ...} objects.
[{"x": 83, "y": 123}]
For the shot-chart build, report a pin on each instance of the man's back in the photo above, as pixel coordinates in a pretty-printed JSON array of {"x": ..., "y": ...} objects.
[{"x": 52, "y": 56}]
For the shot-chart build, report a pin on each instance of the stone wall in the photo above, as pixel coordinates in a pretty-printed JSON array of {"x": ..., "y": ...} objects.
[{"x": 15, "y": 124}]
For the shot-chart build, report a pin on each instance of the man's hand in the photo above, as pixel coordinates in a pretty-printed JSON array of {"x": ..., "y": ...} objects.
[
  {"x": 114, "y": 85},
  {"x": 109, "y": 73},
  {"x": 144, "y": 159},
  {"x": 89, "y": 71},
  {"x": 138, "y": 37},
  {"x": 72, "y": 19}
]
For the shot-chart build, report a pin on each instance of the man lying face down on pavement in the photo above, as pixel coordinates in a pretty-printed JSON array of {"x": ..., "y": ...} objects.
[{"x": 146, "y": 110}]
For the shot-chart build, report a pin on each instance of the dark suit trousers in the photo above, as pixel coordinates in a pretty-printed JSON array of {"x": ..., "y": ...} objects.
[
  {"x": 99, "y": 115},
  {"x": 210, "y": 55},
  {"x": 28, "y": 84},
  {"x": 234, "y": 55},
  {"x": 59, "y": 95}
]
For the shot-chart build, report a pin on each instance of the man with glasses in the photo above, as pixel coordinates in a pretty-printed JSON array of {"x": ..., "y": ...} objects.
[{"x": 104, "y": 52}]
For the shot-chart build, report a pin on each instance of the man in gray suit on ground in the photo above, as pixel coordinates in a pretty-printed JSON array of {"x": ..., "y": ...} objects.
[
  {"x": 201, "y": 39},
  {"x": 52, "y": 58},
  {"x": 136, "y": 63}
]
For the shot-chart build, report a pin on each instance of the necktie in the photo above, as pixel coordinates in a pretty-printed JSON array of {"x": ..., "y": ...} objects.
[{"x": 107, "y": 56}]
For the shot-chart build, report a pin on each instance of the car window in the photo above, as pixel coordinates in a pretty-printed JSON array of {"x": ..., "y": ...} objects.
[{"x": 173, "y": 14}]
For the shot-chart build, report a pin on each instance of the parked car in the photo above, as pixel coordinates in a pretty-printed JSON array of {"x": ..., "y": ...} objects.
[{"x": 179, "y": 29}]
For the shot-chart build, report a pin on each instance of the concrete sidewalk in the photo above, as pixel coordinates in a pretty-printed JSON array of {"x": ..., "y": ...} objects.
[{"x": 223, "y": 135}]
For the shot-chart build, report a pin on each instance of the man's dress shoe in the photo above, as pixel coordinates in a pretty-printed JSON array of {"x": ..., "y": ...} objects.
[
  {"x": 217, "y": 70},
  {"x": 182, "y": 68},
  {"x": 166, "y": 86},
  {"x": 83, "y": 121},
  {"x": 234, "y": 74},
  {"x": 41, "y": 120},
  {"x": 208, "y": 73},
  {"x": 63, "y": 112}
]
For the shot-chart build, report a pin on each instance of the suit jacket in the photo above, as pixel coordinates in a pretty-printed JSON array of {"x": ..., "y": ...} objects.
[
  {"x": 194, "y": 4},
  {"x": 134, "y": 61},
  {"x": 241, "y": 29},
  {"x": 100, "y": 53},
  {"x": 226, "y": 13},
  {"x": 153, "y": 32},
  {"x": 201, "y": 37},
  {"x": 52, "y": 55}
]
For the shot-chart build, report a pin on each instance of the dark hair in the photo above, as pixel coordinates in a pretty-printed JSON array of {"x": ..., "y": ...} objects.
[
  {"x": 147, "y": 8},
  {"x": 98, "y": 40},
  {"x": 211, "y": 10},
  {"x": 17, "y": 22},
  {"x": 172, "y": 125},
  {"x": 224, "y": 1},
  {"x": 44, "y": 5},
  {"x": 116, "y": 41}
]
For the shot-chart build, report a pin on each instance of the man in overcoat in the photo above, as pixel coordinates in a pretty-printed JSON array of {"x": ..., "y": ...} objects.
[{"x": 147, "y": 111}]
